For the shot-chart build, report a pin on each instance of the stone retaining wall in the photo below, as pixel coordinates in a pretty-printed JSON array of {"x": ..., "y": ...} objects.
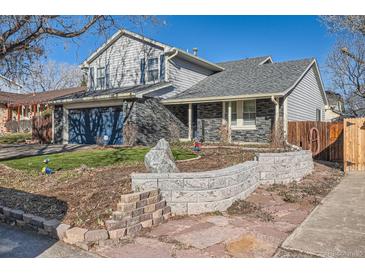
[
  {"x": 200, "y": 192},
  {"x": 135, "y": 211}
]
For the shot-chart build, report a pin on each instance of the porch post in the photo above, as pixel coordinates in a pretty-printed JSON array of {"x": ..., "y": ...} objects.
[
  {"x": 229, "y": 121},
  {"x": 285, "y": 118},
  {"x": 190, "y": 114}
]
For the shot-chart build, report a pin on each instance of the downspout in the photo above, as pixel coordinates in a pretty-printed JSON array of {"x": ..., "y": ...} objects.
[
  {"x": 167, "y": 63},
  {"x": 275, "y": 101}
]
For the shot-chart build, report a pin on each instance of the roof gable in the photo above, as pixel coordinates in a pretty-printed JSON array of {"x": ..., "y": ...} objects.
[{"x": 249, "y": 77}]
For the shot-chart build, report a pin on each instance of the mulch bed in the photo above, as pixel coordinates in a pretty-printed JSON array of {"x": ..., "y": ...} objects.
[{"x": 85, "y": 196}]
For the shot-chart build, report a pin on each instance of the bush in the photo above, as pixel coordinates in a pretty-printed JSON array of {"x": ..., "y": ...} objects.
[{"x": 15, "y": 138}]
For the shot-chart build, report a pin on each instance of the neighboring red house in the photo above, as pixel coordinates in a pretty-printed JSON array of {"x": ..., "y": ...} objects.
[{"x": 21, "y": 107}]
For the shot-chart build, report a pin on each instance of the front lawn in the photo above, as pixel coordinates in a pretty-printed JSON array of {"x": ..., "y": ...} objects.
[{"x": 91, "y": 158}]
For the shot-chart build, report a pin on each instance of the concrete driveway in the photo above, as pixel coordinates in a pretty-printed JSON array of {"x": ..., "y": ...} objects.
[
  {"x": 336, "y": 228},
  {"x": 24, "y": 150},
  {"x": 16, "y": 243}
]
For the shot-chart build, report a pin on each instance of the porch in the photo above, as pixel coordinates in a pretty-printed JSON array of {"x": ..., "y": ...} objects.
[{"x": 246, "y": 120}]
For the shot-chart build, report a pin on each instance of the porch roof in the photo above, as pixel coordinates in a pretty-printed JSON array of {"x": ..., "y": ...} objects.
[
  {"x": 252, "y": 77},
  {"x": 112, "y": 93}
]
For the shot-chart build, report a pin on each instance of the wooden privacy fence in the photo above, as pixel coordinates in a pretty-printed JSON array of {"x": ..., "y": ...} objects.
[
  {"x": 42, "y": 129},
  {"x": 354, "y": 146},
  {"x": 324, "y": 139}
]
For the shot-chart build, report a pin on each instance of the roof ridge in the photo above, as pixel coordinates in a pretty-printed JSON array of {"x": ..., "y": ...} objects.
[{"x": 244, "y": 59}]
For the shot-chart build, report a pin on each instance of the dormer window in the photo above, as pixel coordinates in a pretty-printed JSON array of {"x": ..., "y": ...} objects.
[
  {"x": 100, "y": 78},
  {"x": 152, "y": 69}
]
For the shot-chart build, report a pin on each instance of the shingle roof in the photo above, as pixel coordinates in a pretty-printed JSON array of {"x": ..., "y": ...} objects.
[
  {"x": 37, "y": 97},
  {"x": 112, "y": 91},
  {"x": 248, "y": 77}
]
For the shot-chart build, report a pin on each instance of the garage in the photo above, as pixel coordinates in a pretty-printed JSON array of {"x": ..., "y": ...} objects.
[{"x": 102, "y": 125}]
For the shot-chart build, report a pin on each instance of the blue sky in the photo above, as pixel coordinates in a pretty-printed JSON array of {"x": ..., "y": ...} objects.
[{"x": 222, "y": 38}]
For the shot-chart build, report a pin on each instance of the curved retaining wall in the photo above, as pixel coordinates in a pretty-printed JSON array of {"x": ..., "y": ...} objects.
[{"x": 216, "y": 190}]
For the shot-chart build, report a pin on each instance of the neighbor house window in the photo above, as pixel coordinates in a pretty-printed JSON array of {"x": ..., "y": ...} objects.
[
  {"x": 152, "y": 69},
  {"x": 249, "y": 113},
  {"x": 318, "y": 114},
  {"x": 100, "y": 77}
]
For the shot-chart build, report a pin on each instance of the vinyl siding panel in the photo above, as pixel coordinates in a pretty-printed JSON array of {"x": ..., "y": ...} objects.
[
  {"x": 123, "y": 58},
  {"x": 305, "y": 98},
  {"x": 183, "y": 75}
]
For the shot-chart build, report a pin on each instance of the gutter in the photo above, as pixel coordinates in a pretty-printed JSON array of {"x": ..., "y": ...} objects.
[
  {"x": 219, "y": 98},
  {"x": 167, "y": 63},
  {"x": 94, "y": 98}
]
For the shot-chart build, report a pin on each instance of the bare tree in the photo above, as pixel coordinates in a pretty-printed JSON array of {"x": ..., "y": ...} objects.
[
  {"x": 23, "y": 38},
  {"x": 52, "y": 75},
  {"x": 347, "y": 23},
  {"x": 346, "y": 62}
]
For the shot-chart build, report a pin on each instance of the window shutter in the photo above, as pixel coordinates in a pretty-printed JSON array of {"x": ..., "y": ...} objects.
[
  {"x": 143, "y": 64},
  {"x": 107, "y": 76},
  {"x": 91, "y": 78},
  {"x": 162, "y": 67}
]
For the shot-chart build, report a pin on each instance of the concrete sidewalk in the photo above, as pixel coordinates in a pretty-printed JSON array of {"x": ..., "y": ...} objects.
[
  {"x": 336, "y": 228},
  {"x": 23, "y": 150},
  {"x": 17, "y": 243}
]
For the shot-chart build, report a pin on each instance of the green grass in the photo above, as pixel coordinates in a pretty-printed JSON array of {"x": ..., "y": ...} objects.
[
  {"x": 90, "y": 158},
  {"x": 14, "y": 138}
]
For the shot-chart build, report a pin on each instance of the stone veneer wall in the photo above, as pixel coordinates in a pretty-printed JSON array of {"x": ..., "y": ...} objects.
[
  {"x": 265, "y": 119},
  {"x": 181, "y": 112},
  {"x": 154, "y": 122},
  {"x": 199, "y": 192},
  {"x": 209, "y": 121}
]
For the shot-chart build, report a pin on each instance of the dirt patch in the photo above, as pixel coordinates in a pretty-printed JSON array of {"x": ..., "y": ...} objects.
[
  {"x": 242, "y": 207},
  {"x": 82, "y": 197},
  {"x": 216, "y": 158},
  {"x": 290, "y": 202}
]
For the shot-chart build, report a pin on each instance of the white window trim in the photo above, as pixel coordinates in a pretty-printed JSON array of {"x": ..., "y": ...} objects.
[
  {"x": 240, "y": 124},
  {"x": 97, "y": 78},
  {"x": 147, "y": 70}
]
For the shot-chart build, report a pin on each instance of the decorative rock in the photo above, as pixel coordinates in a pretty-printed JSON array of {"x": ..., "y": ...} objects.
[
  {"x": 96, "y": 235},
  {"x": 75, "y": 235},
  {"x": 117, "y": 233},
  {"x": 61, "y": 231},
  {"x": 160, "y": 159}
]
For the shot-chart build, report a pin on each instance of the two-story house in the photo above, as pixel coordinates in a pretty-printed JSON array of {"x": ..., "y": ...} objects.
[{"x": 140, "y": 90}]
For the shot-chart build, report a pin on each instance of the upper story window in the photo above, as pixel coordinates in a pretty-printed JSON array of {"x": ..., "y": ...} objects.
[
  {"x": 100, "y": 77},
  {"x": 152, "y": 69}
]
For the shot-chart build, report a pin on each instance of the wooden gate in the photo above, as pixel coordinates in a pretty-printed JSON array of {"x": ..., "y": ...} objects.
[
  {"x": 354, "y": 145},
  {"x": 324, "y": 139}
]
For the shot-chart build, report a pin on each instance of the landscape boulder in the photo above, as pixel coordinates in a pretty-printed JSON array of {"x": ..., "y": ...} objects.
[{"x": 160, "y": 159}]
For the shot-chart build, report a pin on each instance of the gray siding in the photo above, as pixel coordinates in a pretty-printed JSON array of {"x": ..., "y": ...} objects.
[
  {"x": 123, "y": 58},
  {"x": 183, "y": 75},
  {"x": 305, "y": 99}
]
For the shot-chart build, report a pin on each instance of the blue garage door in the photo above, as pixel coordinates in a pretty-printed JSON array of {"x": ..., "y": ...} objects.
[{"x": 96, "y": 126}]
